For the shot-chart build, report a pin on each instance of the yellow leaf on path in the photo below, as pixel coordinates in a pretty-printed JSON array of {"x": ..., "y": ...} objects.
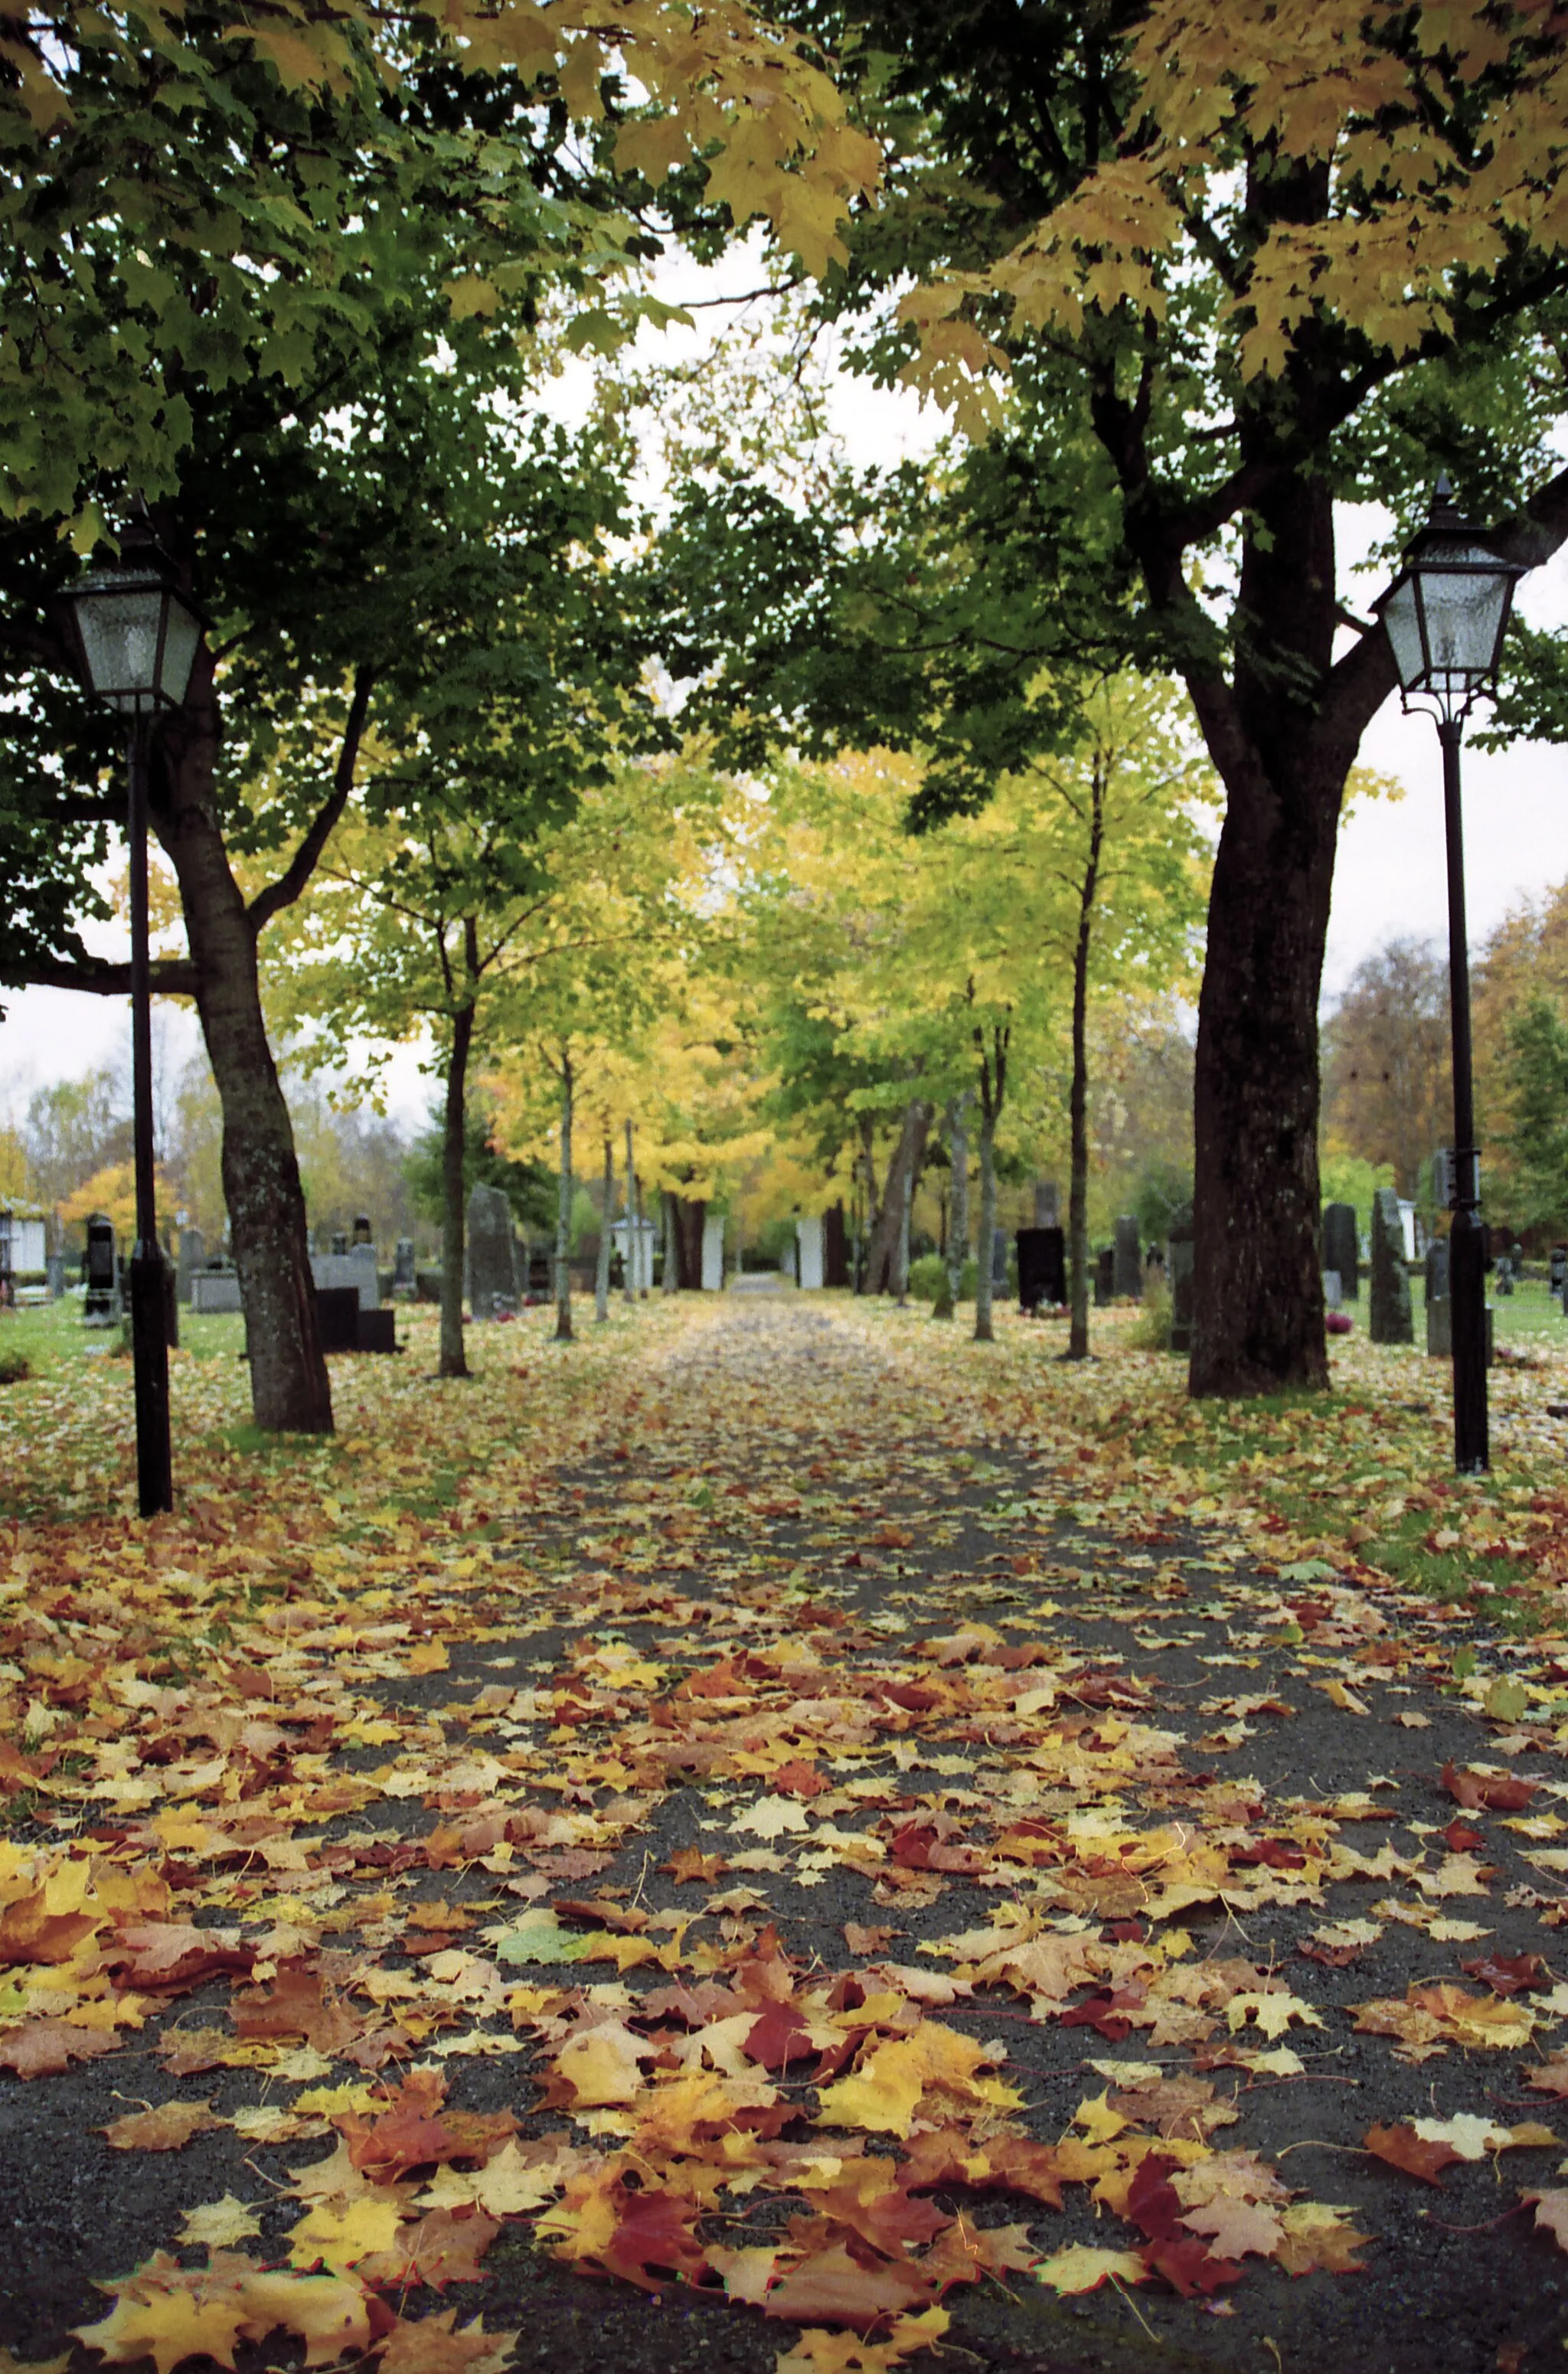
[
  {"x": 166, "y": 2326},
  {"x": 602, "y": 2065},
  {"x": 1097, "y": 2119},
  {"x": 438, "y": 2345},
  {"x": 215, "y": 2226},
  {"x": 882, "y": 2094},
  {"x": 819, "y": 2352},
  {"x": 429, "y": 1656},
  {"x": 1272, "y": 2012},
  {"x": 336, "y": 2235},
  {"x": 1474, "y": 2137},
  {"x": 769, "y": 1818},
  {"x": 9, "y": 2365},
  {"x": 1318, "y": 2236},
  {"x": 1081, "y": 2268}
]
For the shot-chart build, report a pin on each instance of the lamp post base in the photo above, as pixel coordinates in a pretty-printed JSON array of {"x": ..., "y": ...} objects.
[
  {"x": 1466, "y": 1287},
  {"x": 150, "y": 1344}
]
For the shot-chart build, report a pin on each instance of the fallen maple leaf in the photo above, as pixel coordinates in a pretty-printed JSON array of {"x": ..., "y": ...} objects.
[
  {"x": 1498, "y": 1792},
  {"x": 435, "y": 2345},
  {"x": 167, "y": 2128},
  {"x": 218, "y": 2225},
  {"x": 1401, "y": 2148},
  {"x": 42, "y": 2047},
  {"x": 1081, "y": 2268}
]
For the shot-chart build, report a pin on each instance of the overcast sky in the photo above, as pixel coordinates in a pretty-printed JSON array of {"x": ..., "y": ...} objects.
[{"x": 1389, "y": 880}]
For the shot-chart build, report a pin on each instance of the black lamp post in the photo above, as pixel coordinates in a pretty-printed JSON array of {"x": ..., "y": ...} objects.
[
  {"x": 1446, "y": 616},
  {"x": 138, "y": 642}
]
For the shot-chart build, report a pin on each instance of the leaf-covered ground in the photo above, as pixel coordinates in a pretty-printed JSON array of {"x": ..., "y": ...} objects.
[{"x": 777, "y": 1836}]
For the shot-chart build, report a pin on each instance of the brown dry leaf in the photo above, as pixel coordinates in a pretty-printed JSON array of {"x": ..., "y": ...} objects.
[
  {"x": 1401, "y": 2148},
  {"x": 43, "y": 2047},
  {"x": 167, "y": 2128},
  {"x": 437, "y": 2344},
  {"x": 441, "y": 2248}
]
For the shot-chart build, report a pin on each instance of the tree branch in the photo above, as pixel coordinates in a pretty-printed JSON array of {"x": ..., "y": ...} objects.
[
  {"x": 291, "y": 883},
  {"x": 172, "y": 976}
]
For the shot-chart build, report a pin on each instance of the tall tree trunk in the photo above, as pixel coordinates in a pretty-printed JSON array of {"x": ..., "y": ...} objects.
[
  {"x": 984, "y": 1333},
  {"x": 1078, "y": 1097},
  {"x": 864, "y": 1203},
  {"x": 633, "y": 1236},
  {"x": 887, "y": 1233},
  {"x": 1257, "y": 1283},
  {"x": 455, "y": 1213},
  {"x": 290, "y": 1391},
  {"x": 672, "y": 1242},
  {"x": 958, "y": 1225},
  {"x": 601, "y": 1268},
  {"x": 564, "y": 1210},
  {"x": 993, "y": 1092}
]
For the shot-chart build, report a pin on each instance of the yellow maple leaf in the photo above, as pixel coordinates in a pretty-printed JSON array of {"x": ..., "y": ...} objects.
[
  {"x": 1081, "y": 2268},
  {"x": 602, "y": 2065},
  {"x": 215, "y": 2226},
  {"x": 337, "y": 2234},
  {"x": 166, "y": 2326}
]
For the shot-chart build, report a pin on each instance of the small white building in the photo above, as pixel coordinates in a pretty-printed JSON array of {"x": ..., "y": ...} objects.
[{"x": 21, "y": 1239}]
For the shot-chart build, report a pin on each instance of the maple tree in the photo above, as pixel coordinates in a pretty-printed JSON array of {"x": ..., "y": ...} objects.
[
  {"x": 365, "y": 223},
  {"x": 1255, "y": 263}
]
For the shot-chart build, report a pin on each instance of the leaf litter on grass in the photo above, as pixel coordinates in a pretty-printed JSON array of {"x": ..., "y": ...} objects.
[{"x": 291, "y": 1752}]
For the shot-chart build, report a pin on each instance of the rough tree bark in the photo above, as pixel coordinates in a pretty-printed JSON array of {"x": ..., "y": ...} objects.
[
  {"x": 671, "y": 1280},
  {"x": 290, "y": 1391},
  {"x": 633, "y": 1237},
  {"x": 882, "y": 1259},
  {"x": 455, "y": 1213},
  {"x": 563, "y": 1209},
  {"x": 993, "y": 1091},
  {"x": 602, "y": 1266},
  {"x": 957, "y": 1217},
  {"x": 1077, "y": 1095}
]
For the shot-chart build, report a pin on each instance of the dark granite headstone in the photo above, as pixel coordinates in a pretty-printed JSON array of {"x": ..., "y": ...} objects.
[
  {"x": 999, "y": 1259},
  {"x": 1437, "y": 1270},
  {"x": 101, "y": 1271},
  {"x": 1178, "y": 1269},
  {"x": 492, "y": 1280},
  {"x": 337, "y": 1318},
  {"x": 1105, "y": 1276},
  {"x": 402, "y": 1273},
  {"x": 1557, "y": 1269},
  {"x": 1041, "y": 1267},
  {"x": 1341, "y": 1250},
  {"x": 363, "y": 1233},
  {"x": 1391, "y": 1320},
  {"x": 1503, "y": 1275},
  {"x": 1128, "y": 1268},
  {"x": 339, "y": 1242}
]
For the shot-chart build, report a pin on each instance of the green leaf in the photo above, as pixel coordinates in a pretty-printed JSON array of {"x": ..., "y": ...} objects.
[
  {"x": 539, "y": 1937},
  {"x": 1507, "y": 1700}
]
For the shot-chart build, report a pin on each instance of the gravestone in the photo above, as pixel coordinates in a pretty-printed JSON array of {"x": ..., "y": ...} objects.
[
  {"x": 1179, "y": 1270},
  {"x": 193, "y": 1253},
  {"x": 999, "y": 1261},
  {"x": 713, "y": 1253},
  {"x": 1517, "y": 1260},
  {"x": 339, "y": 1244},
  {"x": 642, "y": 1239},
  {"x": 1437, "y": 1270},
  {"x": 492, "y": 1284},
  {"x": 405, "y": 1277},
  {"x": 1557, "y": 1270},
  {"x": 103, "y": 1306},
  {"x": 810, "y": 1265},
  {"x": 54, "y": 1270},
  {"x": 214, "y": 1289},
  {"x": 1333, "y": 1291},
  {"x": 332, "y": 1271},
  {"x": 1127, "y": 1269},
  {"x": 1340, "y": 1249},
  {"x": 363, "y": 1233},
  {"x": 1390, "y": 1321},
  {"x": 1105, "y": 1276},
  {"x": 1503, "y": 1275},
  {"x": 1041, "y": 1267},
  {"x": 1047, "y": 1206}
]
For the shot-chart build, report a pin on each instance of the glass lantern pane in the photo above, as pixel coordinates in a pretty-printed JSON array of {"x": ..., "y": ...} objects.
[
  {"x": 1465, "y": 611},
  {"x": 119, "y": 631},
  {"x": 180, "y": 639},
  {"x": 1401, "y": 618}
]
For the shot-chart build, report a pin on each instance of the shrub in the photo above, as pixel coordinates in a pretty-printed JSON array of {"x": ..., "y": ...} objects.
[
  {"x": 926, "y": 1274},
  {"x": 1151, "y": 1330}
]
